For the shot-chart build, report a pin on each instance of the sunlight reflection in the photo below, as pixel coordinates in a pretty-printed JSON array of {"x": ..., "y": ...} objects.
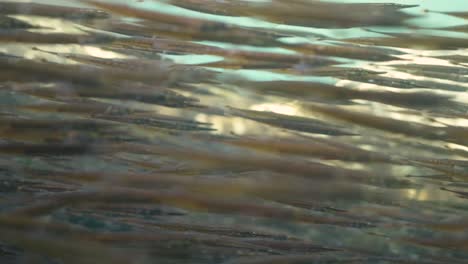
[
  {"x": 275, "y": 108},
  {"x": 419, "y": 195},
  {"x": 50, "y": 24}
]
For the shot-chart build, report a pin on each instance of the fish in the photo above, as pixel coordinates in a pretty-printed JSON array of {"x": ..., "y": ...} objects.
[
  {"x": 80, "y": 106},
  {"x": 176, "y": 72},
  {"x": 406, "y": 83},
  {"x": 165, "y": 122},
  {"x": 180, "y": 199},
  {"x": 24, "y": 36},
  {"x": 10, "y": 23},
  {"x": 378, "y": 122},
  {"x": 160, "y": 73},
  {"x": 440, "y": 72},
  {"x": 36, "y": 9},
  {"x": 457, "y": 14},
  {"x": 35, "y": 149},
  {"x": 296, "y": 123},
  {"x": 192, "y": 28},
  {"x": 314, "y": 90},
  {"x": 344, "y": 51},
  {"x": 311, "y": 147},
  {"x": 457, "y": 59},
  {"x": 414, "y": 41},
  {"x": 304, "y": 13}
]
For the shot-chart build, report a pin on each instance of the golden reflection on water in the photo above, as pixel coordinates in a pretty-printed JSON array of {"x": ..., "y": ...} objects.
[
  {"x": 419, "y": 195},
  {"x": 50, "y": 25},
  {"x": 245, "y": 99}
]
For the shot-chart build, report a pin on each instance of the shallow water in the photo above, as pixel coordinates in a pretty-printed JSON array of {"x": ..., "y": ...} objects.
[{"x": 155, "y": 138}]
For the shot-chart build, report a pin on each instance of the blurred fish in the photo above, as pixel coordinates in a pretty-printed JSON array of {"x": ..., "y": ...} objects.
[
  {"x": 302, "y": 124},
  {"x": 24, "y": 8},
  {"x": 343, "y": 51},
  {"x": 19, "y": 35},
  {"x": 306, "y": 13},
  {"x": 455, "y": 58},
  {"x": 45, "y": 148},
  {"x": 383, "y": 123},
  {"x": 315, "y": 90},
  {"x": 10, "y": 23},
  {"x": 192, "y": 28},
  {"x": 80, "y": 106},
  {"x": 414, "y": 41},
  {"x": 311, "y": 147}
]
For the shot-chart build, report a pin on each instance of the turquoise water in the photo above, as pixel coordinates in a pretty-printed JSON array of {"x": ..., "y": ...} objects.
[{"x": 431, "y": 20}]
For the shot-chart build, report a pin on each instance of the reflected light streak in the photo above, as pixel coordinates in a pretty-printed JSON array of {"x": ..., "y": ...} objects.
[{"x": 275, "y": 108}]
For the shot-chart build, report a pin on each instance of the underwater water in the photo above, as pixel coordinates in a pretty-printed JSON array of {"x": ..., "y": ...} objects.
[{"x": 232, "y": 131}]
